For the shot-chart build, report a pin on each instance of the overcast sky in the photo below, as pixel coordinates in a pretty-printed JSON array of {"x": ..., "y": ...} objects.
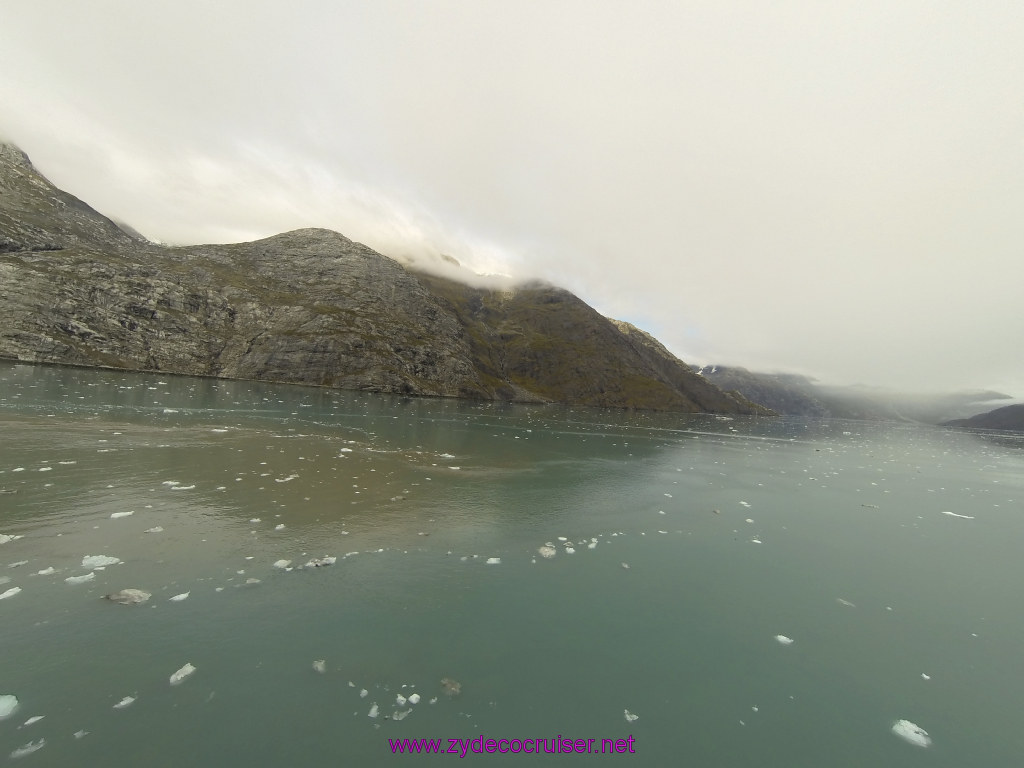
[{"x": 833, "y": 188}]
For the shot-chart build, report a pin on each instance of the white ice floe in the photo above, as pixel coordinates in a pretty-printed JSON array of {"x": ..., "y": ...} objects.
[
  {"x": 282, "y": 564},
  {"x": 494, "y": 561},
  {"x": 179, "y": 598},
  {"x": 320, "y": 562},
  {"x": 400, "y": 700},
  {"x": 8, "y": 705},
  {"x": 127, "y": 701},
  {"x": 547, "y": 551},
  {"x": 255, "y": 520},
  {"x": 744, "y": 503},
  {"x": 181, "y": 674},
  {"x": 756, "y": 541},
  {"x": 17, "y": 564},
  {"x": 4, "y": 538},
  {"x": 954, "y": 514},
  {"x": 182, "y": 487},
  {"x": 46, "y": 571},
  {"x": 400, "y": 715},
  {"x": 625, "y": 565},
  {"x": 28, "y": 749},
  {"x": 320, "y": 665},
  {"x": 374, "y": 710},
  {"x": 155, "y": 529},
  {"x": 285, "y": 479},
  {"x": 570, "y": 551},
  {"x": 630, "y": 717},
  {"x": 81, "y": 579},
  {"x": 99, "y": 561},
  {"x": 116, "y": 515},
  {"x": 925, "y": 676},
  {"x": 911, "y": 732},
  {"x": 279, "y": 527},
  {"x": 129, "y": 596},
  {"x": 363, "y": 693},
  {"x": 783, "y": 640},
  {"x": 80, "y": 734},
  {"x": 592, "y": 545},
  {"x": 414, "y": 698},
  {"x": 10, "y": 593},
  {"x": 845, "y": 602}
]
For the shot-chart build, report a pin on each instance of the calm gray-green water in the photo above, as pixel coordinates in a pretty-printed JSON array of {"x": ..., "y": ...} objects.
[{"x": 579, "y": 573}]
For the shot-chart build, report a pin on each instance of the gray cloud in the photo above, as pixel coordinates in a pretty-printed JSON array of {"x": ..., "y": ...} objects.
[{"x": 832, "y": 188}]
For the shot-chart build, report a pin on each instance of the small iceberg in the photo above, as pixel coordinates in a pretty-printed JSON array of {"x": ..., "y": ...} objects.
[
  {"x": 630, "y": 717},
  {"x": 99, "y": 561},
  {"x": 414, "y": 698},
  {"x": 320, "y": 665},
  {"x": 128, "y": 596},
  {"x": 374, "y": 710},
  {"x": 282, "y": 564},
  {"x": 400, "y": 715},
  {"x": 320, "y": 562},
  {"x": 154, "y": 529},
  {"x": 783, "y": 640},
  {"x": 80, "y": 579},
  {"x": 912, "y": 733},
  {"x": 178, "y": 677},
  {"x": 4, "y": 538},
  {"x": 547, "y": 551},
  {"x": 127, "y": 701},
  {"x": 494, "y": 561},
  {"x": 179, "y": 598},
  {"x": 46, "y": 571},
  {"x": 28, "y": 749},
  {"x": 10, "y": 593},
  {"x": 8, "y": 705},
  {"x": 116, "y": 515}
]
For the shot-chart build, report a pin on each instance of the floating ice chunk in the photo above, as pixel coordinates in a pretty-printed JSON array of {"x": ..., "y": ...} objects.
[
  {"x": 547, "y": 551},
  {"x": 170, "y": 410},
  {"x": 170, "y": 482},
  {"x": 28, "y": 749},
  {"x": 562, "y": 538},
  {"x": 282, "y": 564},
  {"x": 570, "y": 551},
  {"x": 845, "y": 602},
  {"x": 320, "y": 562},
  {"x": 400, "y": 715},
  {"x": 434, "y": 700},
  {"x": 80, "y": 734},
  {"x": 494, "y": 561},
  {"x": 255, "y": 520},
  {"x": 181, "y": 674},
  {"x": 625, "y": 565},
  {"x": 285, "y": 479},
  {"x": 400, "y": 700},
  {"x": 915, "y": 734},
  {"x": 414, "y": 698},
  {"x": 182, "y": 487},
  {"x": 99, "y": 561},
  {"x": 4, "y": 538},
  {"x": 374, "y": 710},
  {"x": 81, "y": 579},
  {"x": 745, "y": 504},
  {"x": 128, "y": 596},
  {"x": 218, "y": 429},
  {"x": 8, "y": 705},
  {"x": 17, "y": 564},
  {"x": 363, "y": 693},
  {"x": 127, "y": 701},
  {"x": 46, "y": 571},
  {"x": 750, "y": 519},
  {"x": 154, "y": 529},
  {"x": 10, "y": 593},
  {"x": 962, "y": 517},
  {"x": 440, "y": 456},
  {"x": 45, "y": 469},
  {"x": 179, "y": 598},
  {"x": 630, "y": 717},
  {"x": 756, "y": 541},
  {"x": 279, "y": 527},
  {"x": 116, "y": 515},
  {"x": 783, "y": 640},
  {"x": 925, "y": 677},
  {"x": 320, "y": 665}
]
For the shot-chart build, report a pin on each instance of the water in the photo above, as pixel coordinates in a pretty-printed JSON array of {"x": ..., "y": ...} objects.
[{"x": 735, "y": 532}]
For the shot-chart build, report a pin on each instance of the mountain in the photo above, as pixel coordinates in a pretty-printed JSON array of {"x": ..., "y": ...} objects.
[
  {"x": 307, "y": 307},
  {"x": 1010, "y": 417},
  {"x": 796, "y": 395}
]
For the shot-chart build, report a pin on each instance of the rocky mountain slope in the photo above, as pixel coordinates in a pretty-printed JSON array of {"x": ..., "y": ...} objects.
[
  {"x": 309, "y": 307},
  {"x": 796, "y": 395},
  {"x": 1010, "y": 417}
]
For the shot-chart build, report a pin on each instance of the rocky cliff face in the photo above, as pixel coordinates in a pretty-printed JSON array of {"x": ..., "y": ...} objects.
[{"x": 309, "y": 307}]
